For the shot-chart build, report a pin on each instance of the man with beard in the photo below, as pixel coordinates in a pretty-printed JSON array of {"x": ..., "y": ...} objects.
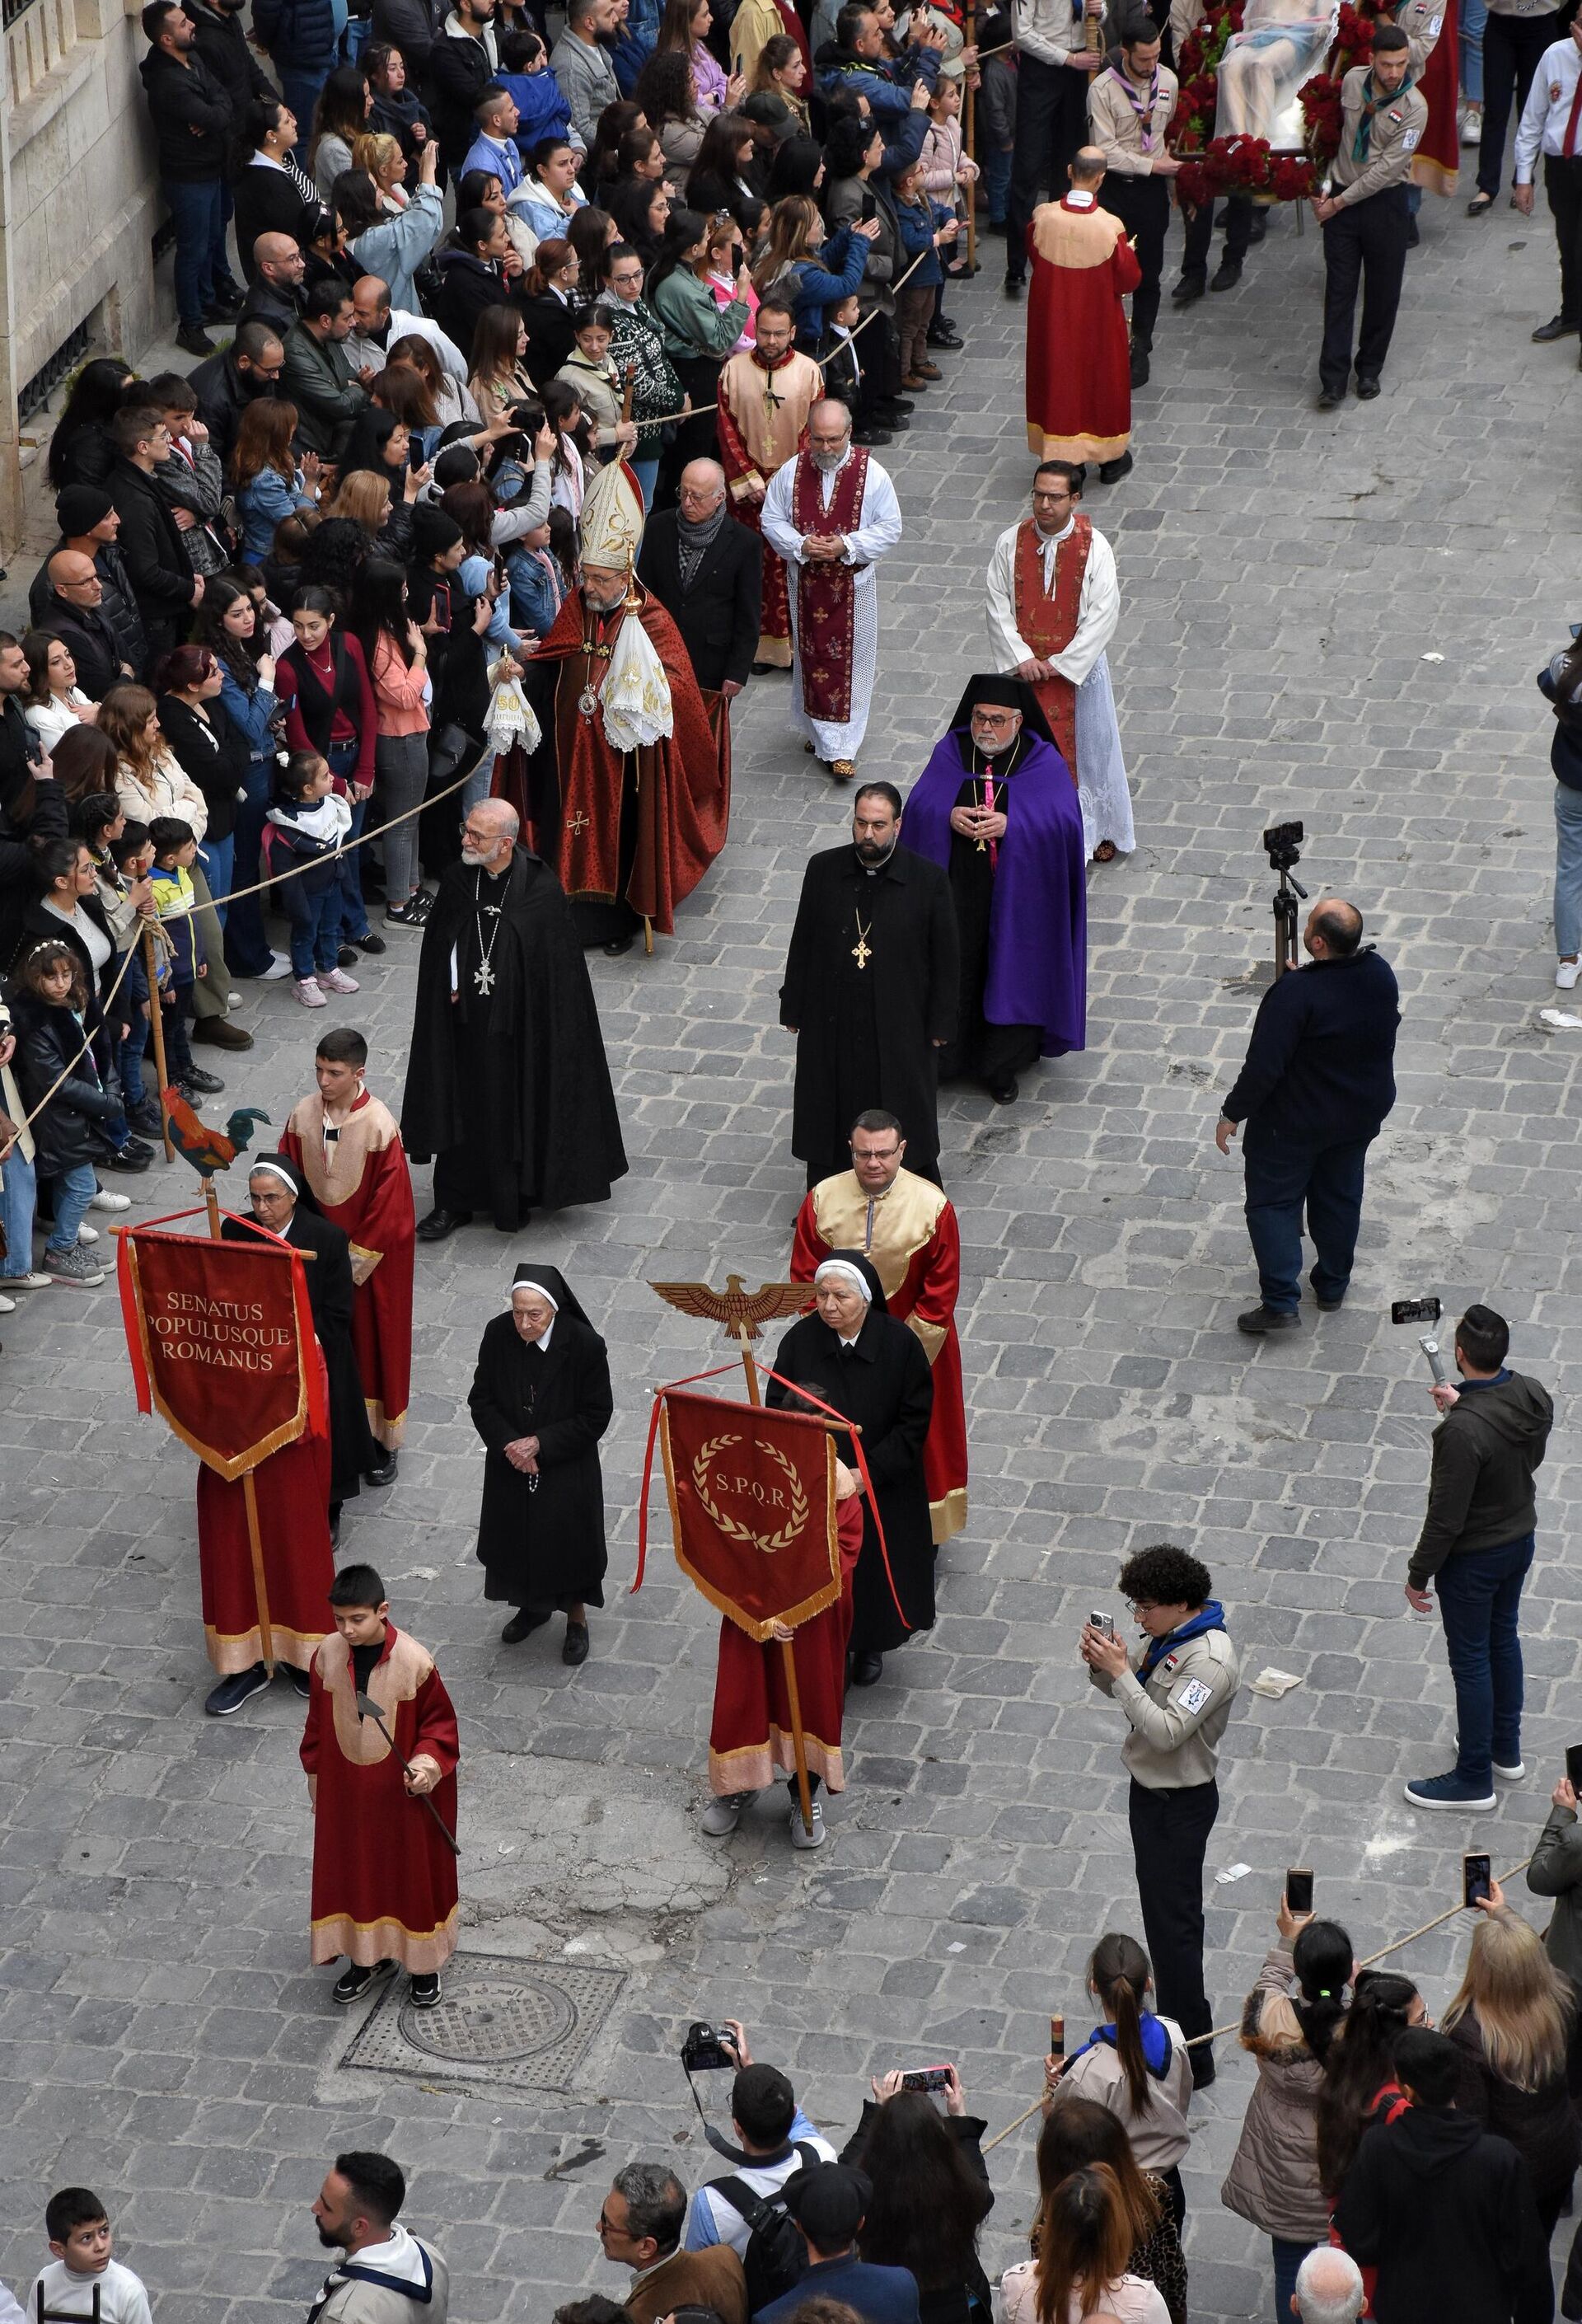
[
  {"x": 386, "y": 2277},
  {"x": 631, "y": 798},
  {"x": 994, "y": 807},
  {"x": 506, "y": 1085},
  {"x": 870, "y": 990},
  {"x": 832, "y": 514},
  {"x": 766, "y": 395}
]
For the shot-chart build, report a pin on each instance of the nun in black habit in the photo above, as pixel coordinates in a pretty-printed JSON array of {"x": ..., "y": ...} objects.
[
  {"x": 540, "y": 1401},
  {"x": 856, "y": 1356},
  {"x": 283, "y": 1206}
]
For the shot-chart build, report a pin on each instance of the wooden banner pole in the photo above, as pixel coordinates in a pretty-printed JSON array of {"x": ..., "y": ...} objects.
[
  {"x": 266, "y": 1637},
  {"x": 793, "y": 1703},
  {"x": 156, "y": 1020},
  {"x": 748, "y": 1366},
  {"x": 970, "y": 142}
]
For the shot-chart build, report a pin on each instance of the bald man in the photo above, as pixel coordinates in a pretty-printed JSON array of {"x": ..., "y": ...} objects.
[
  {"x": 74, "y": 611},
  {"x": 376, "y": 325},
  {"x": 708, "y": 575},
  {"x": 1317, "y": 1087},
  {"x": 275, "y": 294}
]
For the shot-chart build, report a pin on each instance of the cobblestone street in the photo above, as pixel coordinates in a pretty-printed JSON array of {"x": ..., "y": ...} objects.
[{"x": 1336, "y": 618}]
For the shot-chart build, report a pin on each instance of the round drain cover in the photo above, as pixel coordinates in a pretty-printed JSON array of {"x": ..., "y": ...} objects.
[{"x": 490, "y": 2020}]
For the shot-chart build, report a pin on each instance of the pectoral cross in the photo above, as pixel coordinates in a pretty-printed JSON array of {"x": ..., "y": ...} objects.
[
  {"x": 484, "y": 977},
  {"x": 578, "y": 823},
  {"x": 860, "y": 952}
]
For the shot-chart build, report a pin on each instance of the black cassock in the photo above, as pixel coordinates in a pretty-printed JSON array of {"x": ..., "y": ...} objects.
[
  {"x": 866, "y": 1027},
  {"x": 884, "y": 1384},
  {"x": 353, "y": 1451},
  {"x": 543, "y": 1547},
  {"x": 508, "y": 1087}
]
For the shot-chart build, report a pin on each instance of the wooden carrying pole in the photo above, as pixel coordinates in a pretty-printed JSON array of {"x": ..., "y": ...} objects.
[
  {"x": 157, "y": 1022},
  {"x": 266, "y": 1637},
  {"x": 970, "y": 142},
  {"x": 787, "y": 1652}
]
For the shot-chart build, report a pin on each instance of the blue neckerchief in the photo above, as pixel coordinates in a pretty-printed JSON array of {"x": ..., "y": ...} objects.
[
  {"x": 1211, "y": 1615},
  {"x": 1157, "y": 2046},
  {"x": 1498, "y": 1380}
]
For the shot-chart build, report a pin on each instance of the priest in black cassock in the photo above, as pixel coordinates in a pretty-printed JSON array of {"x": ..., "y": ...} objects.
[
  {"x": 996, "y": 808},
  {"x": 281, "y": 1205},
  {"x": 855, "y": 1355},
  {"x": 540, "y": 1401},
  {"x": 508, "y": 1088},
  {"x": 870, "y": 990}
]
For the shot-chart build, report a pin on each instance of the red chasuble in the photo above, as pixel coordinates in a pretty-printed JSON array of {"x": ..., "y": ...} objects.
[
  {"x": 360, "y": 1180},
  {"x": 826, "y": 595},
  {"x": 910, "y": 1233},
  {"x": 291, "y": 1488},
  {"x": 755, "y": 440},
  {"x": 1049, "y": 622},
  {"x": 749, "y": 1739},
  {"x": 1437, "y": 161},
  {"x": 683, "y": 791},
  {"x": 384, "y": 1881},
  {"x": 1079, "y": 359}
]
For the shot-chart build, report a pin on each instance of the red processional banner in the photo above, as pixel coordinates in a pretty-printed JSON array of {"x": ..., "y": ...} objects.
[
  {"x": 222, "y": 1343},
  {"x": 752, "y": 1502}
]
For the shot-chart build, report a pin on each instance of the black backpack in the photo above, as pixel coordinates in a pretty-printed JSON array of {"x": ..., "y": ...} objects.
[{"x": 776, "y": 2258}]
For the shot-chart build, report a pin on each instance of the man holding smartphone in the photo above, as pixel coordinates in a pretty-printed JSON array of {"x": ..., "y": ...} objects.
[
  {"x": 1477, "y": 1542},
  {"x": 1177, "y": 1700}
]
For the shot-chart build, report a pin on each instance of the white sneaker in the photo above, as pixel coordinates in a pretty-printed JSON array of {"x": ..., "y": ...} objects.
[
  {"x": 336, "y": 980},
  {"x": 235, "y": 999},
  {"x": 1515, "y": 1775},
  {"x": 722, "y": 1816},
  {"x": 800, "y": 1835},
  {"x": 1567, "y": 972},
  {"x": 85, "y": 1233},
  {"x": 280, "y": 965},
  {"x": 1472, "y": 126},
  {"x": 107, "y": 1200},
  {"x": 31, "y": 1281},
  {"x": 307, "y": 992},
  {"x": 7, "y": 1306}
]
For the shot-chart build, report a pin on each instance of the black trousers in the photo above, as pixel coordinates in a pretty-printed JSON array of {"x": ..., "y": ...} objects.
[
  {"x": 1200, "y": 232},
  {"x": 1512, "y": 47},
  {"x": 1143, "y": 208},
  {"x": 1170, "y": 1838},
  {"x": 1052, "y": 122},
  {"x": 1562, "y": 182},
  {"x": 1364, "y": 243}
]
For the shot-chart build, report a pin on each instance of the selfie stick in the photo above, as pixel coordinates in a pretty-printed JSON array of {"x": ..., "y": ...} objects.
[
  {"x": 370, "y": 1710},
  {"x": 1436, "y": 1362}
]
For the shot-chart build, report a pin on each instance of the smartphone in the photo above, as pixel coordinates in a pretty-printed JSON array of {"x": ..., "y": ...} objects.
[
  {"x": 1298, "y": 1891},
  {"x": 1057, "y": 2039},
  {"x": 927, "y": 2077},
  {"x": 415, "y": 455},
  {"x": 1574, "y": 1765},
  {"x": 1476, "y": 1871}
]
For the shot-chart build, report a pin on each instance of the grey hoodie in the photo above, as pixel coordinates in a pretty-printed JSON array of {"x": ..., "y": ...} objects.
[{"x": 1486, "y": 1453}]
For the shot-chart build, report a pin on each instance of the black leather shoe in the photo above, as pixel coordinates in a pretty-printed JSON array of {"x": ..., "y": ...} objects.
[
  {"x": 1006, "y": 1092},
  {"x": 298, "y": 1679},
  {"x": 1258, "y": 1322},
  {"x": 1367, "y": 388},
  {"x": 867, "y": 1670},
  {"x": 1139, "y": 366},
  {"x": 205, "y": 1085},
  {"x": 383, "y": 1472},
  {"x": 1556, "y": 327},
  {"x": 1413, "y": 235},
  {"x": 945, "y": 335},
  {"x": 1228, "y": 274},
  {"x": 1111, "y": 471},
  {"x": 440, "y": 1222},
  {"x": 618, "y": 946},
  {"x": 522, "y": 1625},
  {"x": 869, "y": 437},
  {"x": 1014, "y": 286},
  {"x": 576, "y": 1645},
  {"x": 893, "y": 408},
  {"x": 194, "y": 340},
  {"x": 1330, "y": 399},
  {"x": 1330, "y": 1306},
  {"x": 1190, "y": 287}
]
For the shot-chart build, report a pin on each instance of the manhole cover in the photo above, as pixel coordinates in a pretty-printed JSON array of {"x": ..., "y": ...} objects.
[{"x": 527, "y": 2025}]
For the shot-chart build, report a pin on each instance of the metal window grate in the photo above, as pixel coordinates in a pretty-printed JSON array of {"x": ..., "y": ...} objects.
[
  {"x": 36, "y": 391},
  {"x": 10, "y": 10}
]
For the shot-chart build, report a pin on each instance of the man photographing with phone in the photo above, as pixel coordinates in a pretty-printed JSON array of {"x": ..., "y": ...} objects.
[
  {"x": 1177, "y": 1700},
  {"x": 1477, "y": 1542}
]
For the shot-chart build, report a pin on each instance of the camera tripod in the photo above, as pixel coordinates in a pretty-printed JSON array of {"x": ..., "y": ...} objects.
[{"x": 1284, "y": 909}]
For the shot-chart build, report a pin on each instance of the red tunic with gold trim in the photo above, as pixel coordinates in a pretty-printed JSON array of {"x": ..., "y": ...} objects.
[
  {"x": 384, "y": 1881},
  {"x": 291, "y": 1490},
  {"x": 1079, "y": 358},
  {"x": 761, "y": 423},
  {"x": 360, "y": 1180},
  {"x": 749, "y": 1739},
  {"x": 910, "y": 1233},
  {"x": 1047, "y": 620}
]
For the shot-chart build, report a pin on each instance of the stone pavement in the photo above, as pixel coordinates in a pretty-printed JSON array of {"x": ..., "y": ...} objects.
[{"x": 1333, "y": 618}]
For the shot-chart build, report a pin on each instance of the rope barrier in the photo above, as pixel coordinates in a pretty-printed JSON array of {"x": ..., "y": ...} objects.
[{"x": 1222, "y": 2033}]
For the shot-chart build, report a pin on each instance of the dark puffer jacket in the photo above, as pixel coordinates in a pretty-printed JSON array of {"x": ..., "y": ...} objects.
[{"x": 47, "y": 1041}]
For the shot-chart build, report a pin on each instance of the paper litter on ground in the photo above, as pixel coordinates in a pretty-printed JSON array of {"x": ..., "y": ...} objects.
[
  {"x": 1274, "y": 1682},
  {"x": 1232, "y": 1872}
]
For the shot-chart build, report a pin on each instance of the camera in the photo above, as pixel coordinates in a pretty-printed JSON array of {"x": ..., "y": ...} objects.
[
  {"x": 707, "y": 2051},
  {"x": 1415, "y": 1310},
  {"x": 1283, "y": 845}
]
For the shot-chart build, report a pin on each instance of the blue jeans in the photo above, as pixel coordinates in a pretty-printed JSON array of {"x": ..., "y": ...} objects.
[
  {"x": 74, "y": 1191},
  {"x": 1281, "y": 1175},
  {"x": 218, "y": 859},
  {"x": 129, "y": 1056},
  {"x": 1471, "y": 16},
  {"x": 316, "y": 926},
  {"x": 996, "y": 181},
  {"x": 1288, "y": 2258},
  {"x": 1480, "y": 1596},
  {"x": 1568, "y": 872},
  {"x": 248, "y": 948},
  {"x": 18, "y": 1194},
  {"x": 645, "y": 471},
  {"x": 353, "y": 914},
  {"x": 197, "y": 213},
  {"x": 301, "y": 92}
]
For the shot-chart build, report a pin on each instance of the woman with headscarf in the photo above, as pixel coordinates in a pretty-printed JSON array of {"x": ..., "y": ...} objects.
[
  {"x": 541, "y": 1400},
  {"x": 855, "y": 1355}
]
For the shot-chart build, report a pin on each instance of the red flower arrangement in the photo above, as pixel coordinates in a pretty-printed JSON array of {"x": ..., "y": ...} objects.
[
  {"x": 1211, "y": 165},
  {"x": 1246, "y": 165}
]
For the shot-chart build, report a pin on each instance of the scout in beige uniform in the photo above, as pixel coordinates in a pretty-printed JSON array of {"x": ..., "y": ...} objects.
[
  {"x": 1364, "y": 216},
  {"x": 1130, "y": 107}
]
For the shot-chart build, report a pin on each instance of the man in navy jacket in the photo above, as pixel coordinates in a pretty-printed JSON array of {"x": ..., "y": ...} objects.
[
  {"x": 828, "y": 2201},
  {"x": 1317, "y": 1084}
]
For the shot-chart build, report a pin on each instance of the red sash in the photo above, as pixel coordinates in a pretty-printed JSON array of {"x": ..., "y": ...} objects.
[
  {"x": 826, "y": 595},
  {"x": 1048, "y": 621}
]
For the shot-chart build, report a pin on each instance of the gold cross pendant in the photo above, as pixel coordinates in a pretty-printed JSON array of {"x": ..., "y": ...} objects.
[{"x": 860, "y": 952}]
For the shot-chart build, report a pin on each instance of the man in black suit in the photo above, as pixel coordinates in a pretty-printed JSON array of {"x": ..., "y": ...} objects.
[
  {"x": 872, "y": 989},
  {"x": 164, "y": 582},
  {"x": 708, "y": 575}
]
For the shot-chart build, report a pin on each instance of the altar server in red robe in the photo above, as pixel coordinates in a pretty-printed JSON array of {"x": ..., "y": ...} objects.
[
  {"x": 347, "y": 1146},
  {"x": 905, "y": 1226},
  {"x": 384, "y": 1874},
  {"x": 1079, "y": 358}
]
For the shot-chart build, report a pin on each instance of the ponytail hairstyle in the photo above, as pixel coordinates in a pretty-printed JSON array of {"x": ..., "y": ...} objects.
[
  {"x": 1359, "y": 2063},
  {"x": 1119, "y": 1973},
  {"x": 1323, "y": 1957}
]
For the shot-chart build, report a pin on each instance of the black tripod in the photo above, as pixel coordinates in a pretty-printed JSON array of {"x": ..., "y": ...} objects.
[{"x": 1282, "y": 860}]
